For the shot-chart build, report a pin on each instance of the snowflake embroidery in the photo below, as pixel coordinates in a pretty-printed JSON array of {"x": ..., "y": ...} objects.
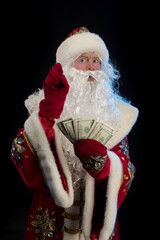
[{"x": 44, "y": 225}]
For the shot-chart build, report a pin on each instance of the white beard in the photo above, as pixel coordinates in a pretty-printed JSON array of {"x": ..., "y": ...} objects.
[
  {"x": 87, "y": 99},
  {"x": 94, "y": 99}
]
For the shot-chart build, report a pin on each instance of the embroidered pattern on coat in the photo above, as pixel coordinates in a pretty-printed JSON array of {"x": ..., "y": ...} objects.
[
  {"x": 131, "y": 170},
  {"x": 124, "y": 147},
  {"x": 44, "y": 225},
  {"x": 18, "y": 148}
]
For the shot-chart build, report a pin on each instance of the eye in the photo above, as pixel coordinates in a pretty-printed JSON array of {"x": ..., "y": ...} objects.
[
  {"x": 82, "y": 60},
  {"x": 97, "y": 61}
]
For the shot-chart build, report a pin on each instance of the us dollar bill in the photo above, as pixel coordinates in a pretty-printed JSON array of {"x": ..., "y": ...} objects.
[
  {"x": 104, "y": 134},
  {"x": 84, "y": 127},
  {"x": 66, "y": 128},
  {"x": 95, "y": 128},
  {"x": 75, "y": 125},
  {"x": 68, "y": 125},
  {"x": 76, "y": 129}
]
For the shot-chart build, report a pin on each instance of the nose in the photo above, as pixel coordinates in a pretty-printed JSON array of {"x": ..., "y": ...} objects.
[{"x": 90, "y": 66}]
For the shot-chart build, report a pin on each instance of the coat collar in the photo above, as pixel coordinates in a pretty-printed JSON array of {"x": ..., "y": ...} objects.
[{"x": 129, "y": 116}]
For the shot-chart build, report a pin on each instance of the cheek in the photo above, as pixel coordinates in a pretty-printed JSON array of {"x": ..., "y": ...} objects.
[
  {"x": 80, "y": 66},
  {"x": 97, "y": 67}
]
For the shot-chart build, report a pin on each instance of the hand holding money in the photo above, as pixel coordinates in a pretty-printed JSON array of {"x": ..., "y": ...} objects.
[
  {"x": 89, "y": 138},
  {"x": 93, "y": 156}
]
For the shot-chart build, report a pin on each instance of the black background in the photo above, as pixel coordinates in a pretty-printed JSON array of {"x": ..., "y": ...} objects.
[{"x": 30, "y": 34}]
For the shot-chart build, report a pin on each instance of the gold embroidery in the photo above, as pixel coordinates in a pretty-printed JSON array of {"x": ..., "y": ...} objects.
[
  {"x": 18, "y": 145},
  {"x": 81, "y": 30},
  {"x": 72, "y": 231},
  {"x": 29, "y": 144},
  {"x": 71, "y": 216},
  {"x": 131, "y": 170},
  {"x": 44, "y": 225},
  {"x": 18, "y": 148},
  {"x": 95, "y": 163},
  {"x": 125, "y": 177}
]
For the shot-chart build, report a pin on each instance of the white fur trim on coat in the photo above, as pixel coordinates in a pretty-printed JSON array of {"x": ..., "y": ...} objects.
[
  {"x": 38, "y": 139},
  {"x": 114, "y": 182}
]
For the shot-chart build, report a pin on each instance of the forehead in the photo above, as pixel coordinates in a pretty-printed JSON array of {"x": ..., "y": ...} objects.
[{"x": 89, "y": 55}]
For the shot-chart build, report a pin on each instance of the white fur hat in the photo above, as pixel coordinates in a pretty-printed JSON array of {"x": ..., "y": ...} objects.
[{"x": 81, "y": 41}]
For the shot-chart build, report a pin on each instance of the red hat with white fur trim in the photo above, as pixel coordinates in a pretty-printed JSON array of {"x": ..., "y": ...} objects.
[{"x": 80, "y": 41}]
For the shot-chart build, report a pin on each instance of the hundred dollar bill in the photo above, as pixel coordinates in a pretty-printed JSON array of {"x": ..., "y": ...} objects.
[
  {"x": 75, "y": 129},
  {"x": 108, "y": 128},
  {"x": 75, "y": 125},
  {"x": 94, "y": 129},
  {"x": 68, "y": 125},
  {"x": 84, "y": 126},
  {"x": 104, "y": 134},
  {"x": 64, "y": 129}
]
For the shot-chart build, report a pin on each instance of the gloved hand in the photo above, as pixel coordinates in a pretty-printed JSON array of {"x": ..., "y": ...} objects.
[
  {"x": 93, "y": 156},
  {"x": 55, "y": 91}
]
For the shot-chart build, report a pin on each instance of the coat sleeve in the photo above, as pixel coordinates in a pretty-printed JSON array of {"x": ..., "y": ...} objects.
[
  {"x": 39, "y": 164},
  {"x": 25, "y": 159}
]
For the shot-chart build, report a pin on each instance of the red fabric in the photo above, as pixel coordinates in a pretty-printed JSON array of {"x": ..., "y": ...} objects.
[
  {"x": 78, "y": 31},
  {"x": 48, "y": 127},
  {"x": 55, "y": 90},
  {"x": 128, "y": 168},
  {"x": 40, "y": 206},
  {"x": 29, "y": 168},
  {"x": 93, "y": 148},
  {"x": 75, "y": 31}
]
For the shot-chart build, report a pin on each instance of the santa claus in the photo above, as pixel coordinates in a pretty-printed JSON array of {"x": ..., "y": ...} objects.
[{"x": 78, "y": 186}]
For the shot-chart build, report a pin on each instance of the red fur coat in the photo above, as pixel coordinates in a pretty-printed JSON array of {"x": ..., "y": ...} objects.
[{"x": 57, "y": 211}]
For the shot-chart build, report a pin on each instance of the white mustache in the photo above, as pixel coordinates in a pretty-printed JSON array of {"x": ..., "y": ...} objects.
[{"x": 97, "y": 75}]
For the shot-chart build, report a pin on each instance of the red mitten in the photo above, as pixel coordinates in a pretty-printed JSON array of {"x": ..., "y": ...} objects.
[
  {"x": 93, "y": 156},
  {"x": 55, "y": 91}
]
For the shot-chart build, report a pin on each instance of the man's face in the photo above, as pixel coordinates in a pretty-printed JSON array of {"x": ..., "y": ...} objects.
[{"x": 88, "y": 62}]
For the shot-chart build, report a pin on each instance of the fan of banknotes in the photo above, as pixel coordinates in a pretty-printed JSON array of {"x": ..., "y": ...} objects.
[{"x": 76, "y": 129}]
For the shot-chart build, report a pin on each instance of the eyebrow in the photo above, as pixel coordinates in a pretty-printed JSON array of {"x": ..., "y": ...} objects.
[{"x": 84, "y": 56}]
